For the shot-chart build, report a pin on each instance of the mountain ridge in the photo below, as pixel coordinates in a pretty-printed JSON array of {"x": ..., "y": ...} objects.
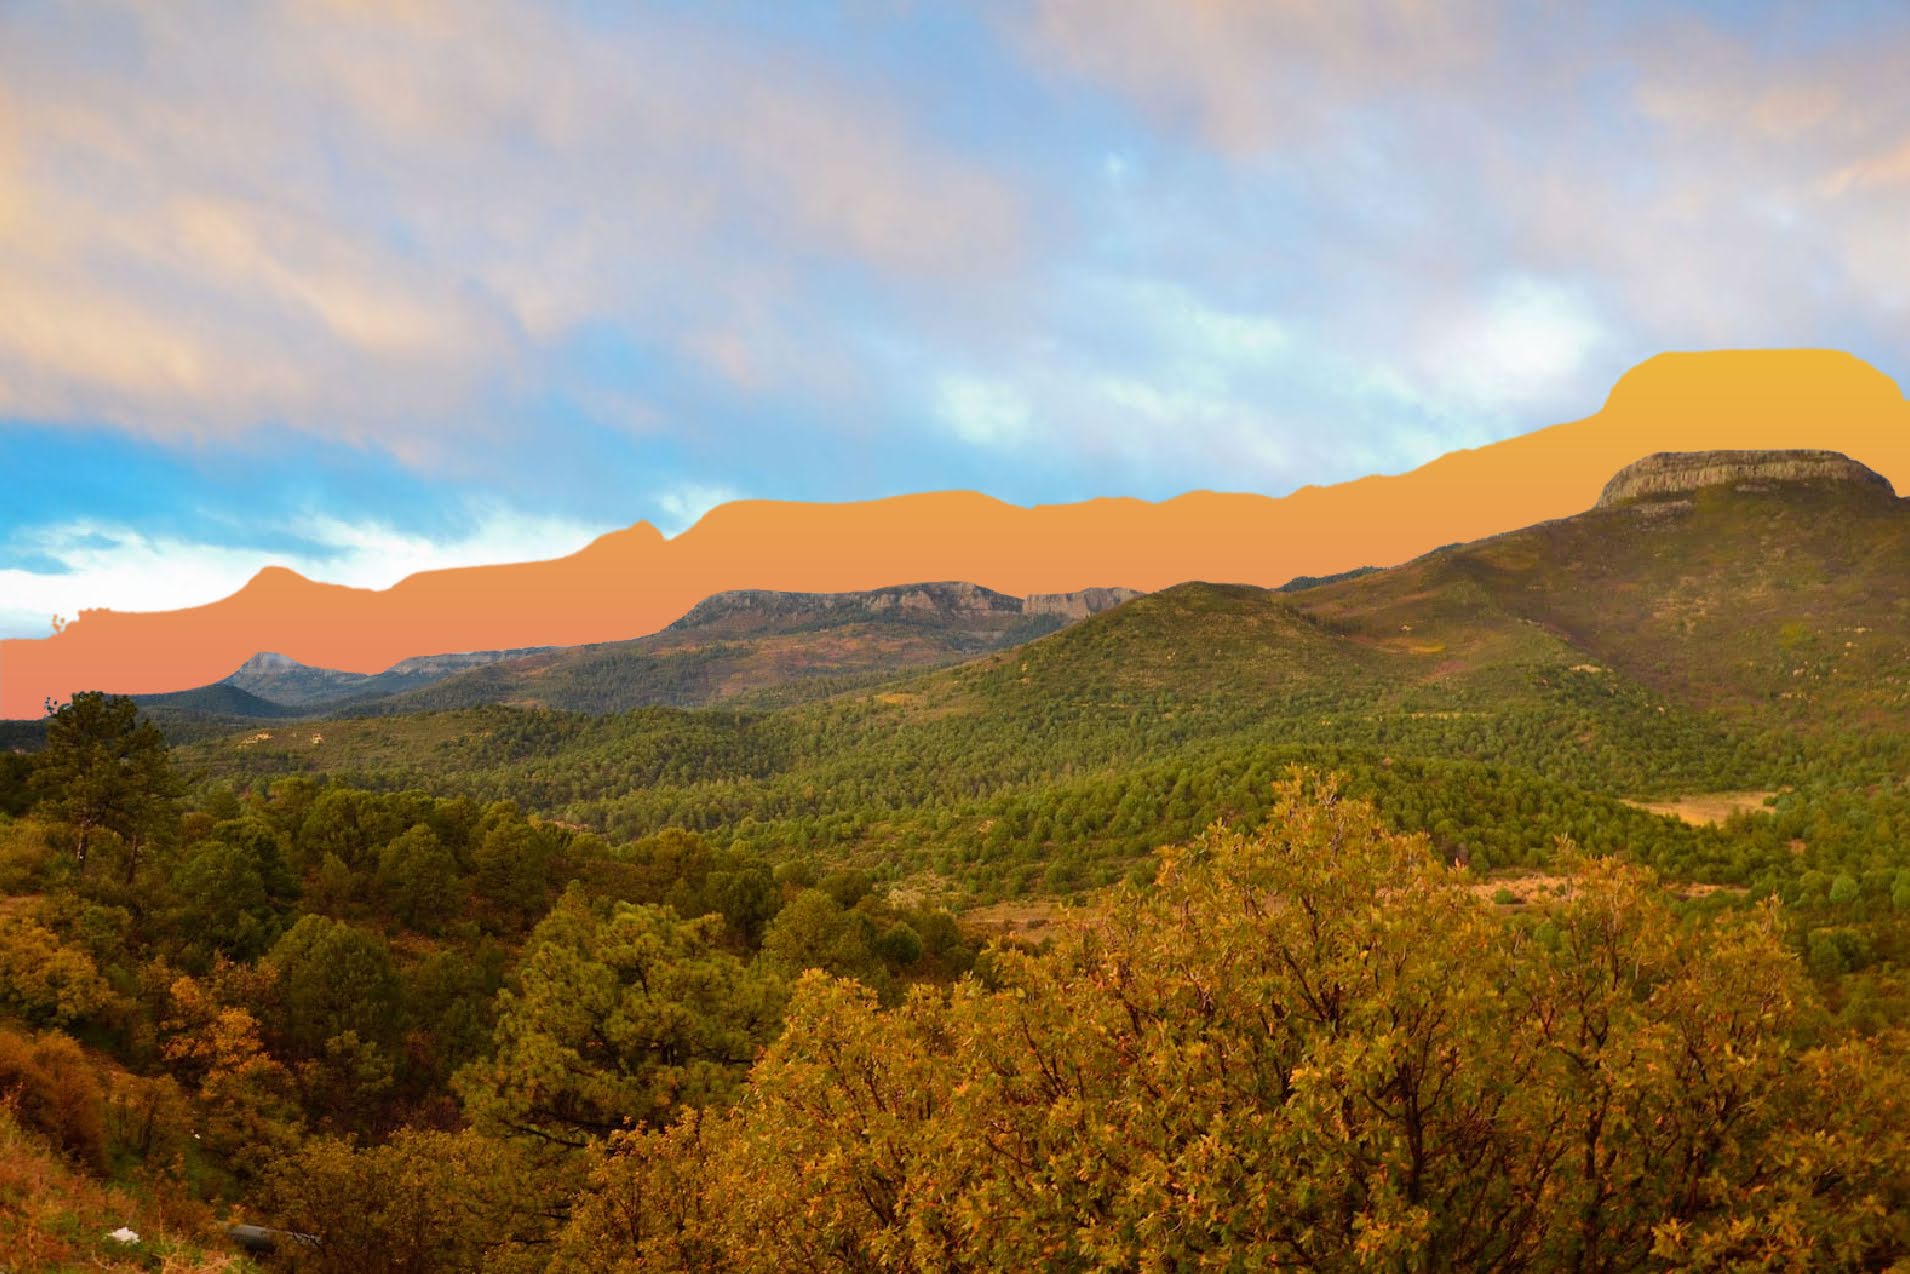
[
  {"x": 633, "y": 581},
  {"x": 742, "y": 642},
  {"x": 1735, "y": 639}
]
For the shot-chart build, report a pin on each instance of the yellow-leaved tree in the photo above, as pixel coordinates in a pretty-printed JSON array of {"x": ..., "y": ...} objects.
[{"x": 1309, "y": 1046}]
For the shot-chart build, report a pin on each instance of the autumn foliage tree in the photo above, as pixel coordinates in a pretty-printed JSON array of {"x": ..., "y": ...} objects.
[{"x": 1310, "y": 1046}]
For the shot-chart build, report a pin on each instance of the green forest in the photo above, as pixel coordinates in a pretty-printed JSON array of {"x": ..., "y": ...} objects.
[{"x": 1338, "y": 935}]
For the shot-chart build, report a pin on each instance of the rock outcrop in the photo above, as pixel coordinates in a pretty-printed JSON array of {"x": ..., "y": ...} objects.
[
  {"x": 946, "y": 599},
  {"x": 1672, "y": 473},
  {"x": 1089, "y": 601}
]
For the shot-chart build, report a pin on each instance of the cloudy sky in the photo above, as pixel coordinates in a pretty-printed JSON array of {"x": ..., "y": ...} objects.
[{"x": 366, "y": 288}]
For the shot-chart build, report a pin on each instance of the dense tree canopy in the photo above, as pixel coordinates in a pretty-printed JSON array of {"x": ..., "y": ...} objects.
[
  {"x": 104, "y": 770},
  {"x": 1310, "y": 1047},
  {"x": 687, "y": 990}
]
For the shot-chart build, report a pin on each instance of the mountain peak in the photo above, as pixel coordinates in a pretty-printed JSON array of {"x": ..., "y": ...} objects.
[
  {"x": 904, "y": 601},
  {"x": 1677, "y": 472},
  {"x": 265, "y": 661}
]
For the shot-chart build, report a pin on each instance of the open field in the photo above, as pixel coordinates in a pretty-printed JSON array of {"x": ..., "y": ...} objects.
[{"x": 1710, "y": 808}]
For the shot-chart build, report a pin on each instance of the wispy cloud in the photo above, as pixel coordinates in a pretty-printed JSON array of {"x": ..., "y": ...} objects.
[
  {"x": 1498, "y": 211},
  {"x": 369, "y": 220},
  {"x": 621, "y": 261},
  {"x": 681, "y": 506},
  {"x": 89, "y": 564},
  {"x": 983, "y": 414}
]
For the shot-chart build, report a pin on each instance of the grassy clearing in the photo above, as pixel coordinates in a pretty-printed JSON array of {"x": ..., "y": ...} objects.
[{"x": 1709, "y": 809}]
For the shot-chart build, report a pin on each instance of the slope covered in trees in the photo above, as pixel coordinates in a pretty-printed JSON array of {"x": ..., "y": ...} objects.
[
  {"x": 757, "y": 647},
  {"x": 518, "y": 989},
  {"x": 1738, "y": 640},
  {"x": 436, "y": 1035},
  {"x": 1307, "y": 1047}
]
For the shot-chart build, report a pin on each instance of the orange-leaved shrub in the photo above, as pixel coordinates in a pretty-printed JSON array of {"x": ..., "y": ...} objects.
[{"x": 1307, "y": 1046}]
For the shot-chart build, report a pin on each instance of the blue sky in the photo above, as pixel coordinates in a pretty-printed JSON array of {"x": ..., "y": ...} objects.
[{"x": 367, "y": 288}]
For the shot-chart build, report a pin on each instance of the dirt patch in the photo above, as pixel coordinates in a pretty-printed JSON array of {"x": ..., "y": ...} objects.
[
  {"x": 1707, "y": 809},
  {"x": 1705, "y": 891},
  {"x": 1537, "y": 888},
  {"x": 1032, "y": 920},
  {"x": 1522, "y": 891}
]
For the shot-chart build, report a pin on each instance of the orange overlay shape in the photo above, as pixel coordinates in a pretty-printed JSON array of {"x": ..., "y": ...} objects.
[{"x": 632, "y": 582}]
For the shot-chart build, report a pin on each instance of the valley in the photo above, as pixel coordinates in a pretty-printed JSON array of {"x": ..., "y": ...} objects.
[
  {"x": 527, "y": 936},
  {"x": 1582, "y": 656},
  {"x": 888, "y": 638}
]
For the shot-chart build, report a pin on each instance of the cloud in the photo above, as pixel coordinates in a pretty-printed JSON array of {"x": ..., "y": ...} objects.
[
  {"x": 574, "y": 253},
  {"x": 1521, "y": 344},
  {"x": 1246, "y": 74},
  {"x": 682, "y": 506},
  {"x": 982, "y": 413},
  {"x": 369, "y": 221},
  {"x": 1490, "y": 215},
  {"x": 86, "y": 564}
]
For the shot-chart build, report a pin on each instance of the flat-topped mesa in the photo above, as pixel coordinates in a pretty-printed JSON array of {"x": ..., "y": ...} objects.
[
  {"x": 761, "y": 604},
  {"x": 1680, "y": 472},
  {"x": 950, "y": 598}
]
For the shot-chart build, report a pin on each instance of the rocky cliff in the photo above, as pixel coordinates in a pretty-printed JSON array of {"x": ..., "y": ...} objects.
[
  {"x": 754, "y": 607},
  {"x": 1089, "y": 601},
  {"x": 1681, "y": 472}
]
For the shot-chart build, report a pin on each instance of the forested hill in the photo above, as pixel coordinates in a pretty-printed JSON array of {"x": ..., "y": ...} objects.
[
  {"x": 766, "y": 647},
  {"x": 1772, "y": 598},
  {"x": 1718, "y": 639},
  {"x": 1354, "y": 940},
  {"x": 757, "y": 646}
]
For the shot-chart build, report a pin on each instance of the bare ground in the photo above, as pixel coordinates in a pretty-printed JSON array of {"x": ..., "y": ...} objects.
[{"x": 1707, "y": 808}]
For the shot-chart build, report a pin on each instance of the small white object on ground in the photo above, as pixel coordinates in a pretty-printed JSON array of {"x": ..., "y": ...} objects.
[{"x": 124, "y": 1235}]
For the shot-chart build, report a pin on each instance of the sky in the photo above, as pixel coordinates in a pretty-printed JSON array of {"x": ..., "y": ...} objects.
[{"x": 365, "y": 288}]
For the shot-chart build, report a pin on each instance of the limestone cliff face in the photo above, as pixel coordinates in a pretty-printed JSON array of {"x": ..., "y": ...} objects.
[
  {"x": 1089, "y": 601},
  {"x": 755, "y": 607},
  {"x": 953, "y": 598},
  {"x": 1679, "y": 472}
]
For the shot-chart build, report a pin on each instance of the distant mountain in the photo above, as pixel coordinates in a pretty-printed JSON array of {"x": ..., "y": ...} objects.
[
  {"x": 291, "y": 684},
  {"x": 767, "y": 646},
  {"x": 287, "y": 682},
  {"x": 1766, "y": 587},
  {"x": 1714, "y": 625},
  {"x": 634, "y": 582},
  {"x": 1766, "y": 584}
]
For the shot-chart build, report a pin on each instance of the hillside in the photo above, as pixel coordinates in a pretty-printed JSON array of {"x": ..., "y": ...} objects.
[
  {"x": 1636, "y": 651},
  {"x": 1779, "y": 598},
  {"x": 407, "y": 981},
  {"x": 758, "y": 646},
  {"x": 633, "y": 582},
  {"x": 766, "y": 647},
  {"x": 52, "y": 1217}
]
